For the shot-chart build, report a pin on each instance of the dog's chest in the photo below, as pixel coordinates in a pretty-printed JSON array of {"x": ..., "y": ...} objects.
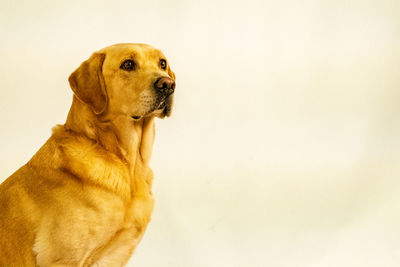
[
  {"x": 132, "y": 221},
  {"x": 120, "y": 192},
  {"x": 140, "y": 207},
  {"x": 138, "y": 214}
]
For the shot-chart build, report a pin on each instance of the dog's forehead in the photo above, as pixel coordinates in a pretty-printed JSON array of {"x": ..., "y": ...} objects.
[{"x": 128, "y": 50}]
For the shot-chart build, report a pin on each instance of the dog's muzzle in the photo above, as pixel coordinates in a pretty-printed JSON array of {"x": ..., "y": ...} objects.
[{"x": 165, "y": 88}]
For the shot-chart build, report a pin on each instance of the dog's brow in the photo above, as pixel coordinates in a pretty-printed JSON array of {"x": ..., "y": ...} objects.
[
  {"x": 155, "y": 53},
  {"x": 131, "y": 55}
]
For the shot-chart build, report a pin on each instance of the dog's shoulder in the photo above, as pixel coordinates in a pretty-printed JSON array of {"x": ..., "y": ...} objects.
[{"x": 85, "y": 160}]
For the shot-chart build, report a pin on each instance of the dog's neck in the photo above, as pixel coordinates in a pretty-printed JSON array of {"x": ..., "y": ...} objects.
[{"x": 130, "y": 140}]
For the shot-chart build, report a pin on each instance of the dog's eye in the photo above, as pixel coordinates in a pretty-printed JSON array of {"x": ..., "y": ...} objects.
[
  {"x": 128, "y": 65},
  {"x": 163, "y": 64}
]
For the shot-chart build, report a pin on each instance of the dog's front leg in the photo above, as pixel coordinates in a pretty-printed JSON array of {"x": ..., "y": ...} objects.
[{"x": 118, "y": 251}]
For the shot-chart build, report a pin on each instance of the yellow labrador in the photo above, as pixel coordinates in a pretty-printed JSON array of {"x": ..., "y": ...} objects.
[{"x": 84, "y": 199}]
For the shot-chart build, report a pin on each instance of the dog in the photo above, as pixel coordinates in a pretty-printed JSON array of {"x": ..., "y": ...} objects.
[{"x": 84, "y": 199}]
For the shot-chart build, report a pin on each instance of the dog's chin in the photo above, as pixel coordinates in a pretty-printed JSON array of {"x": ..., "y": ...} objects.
[
  {"x": 164, "y": 109},
  {"x": 161, "y": 110}
]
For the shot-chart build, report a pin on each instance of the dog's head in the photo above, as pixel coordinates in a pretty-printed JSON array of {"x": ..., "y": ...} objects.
[{"x": 126, "y": 79}]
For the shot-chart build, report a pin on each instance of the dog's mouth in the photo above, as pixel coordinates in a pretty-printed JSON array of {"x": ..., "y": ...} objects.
[{"x": 162, "y": 108}]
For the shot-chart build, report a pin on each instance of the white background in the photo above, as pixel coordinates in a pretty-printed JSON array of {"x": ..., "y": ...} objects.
[{"x": 283, "y": 148}]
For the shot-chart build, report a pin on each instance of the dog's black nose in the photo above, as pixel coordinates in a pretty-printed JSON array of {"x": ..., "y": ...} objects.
[{"x": 165, "y": 85}]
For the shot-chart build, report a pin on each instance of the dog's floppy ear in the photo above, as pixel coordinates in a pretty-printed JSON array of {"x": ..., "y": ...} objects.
[{"x": 87, "y": 83}]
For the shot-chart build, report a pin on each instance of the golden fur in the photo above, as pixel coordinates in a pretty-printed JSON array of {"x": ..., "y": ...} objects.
[{"x": 84, "y": 199}]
